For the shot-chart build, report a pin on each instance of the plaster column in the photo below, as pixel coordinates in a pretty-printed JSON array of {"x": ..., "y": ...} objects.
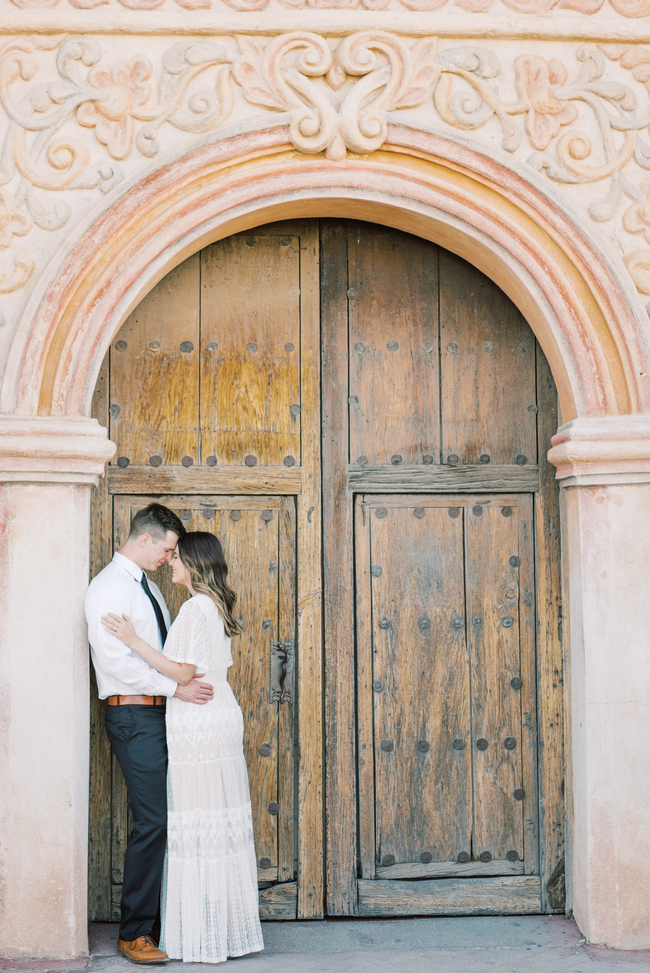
[
  {"x": 47, "y": 468},
  {"x": 604, "y": 466}
]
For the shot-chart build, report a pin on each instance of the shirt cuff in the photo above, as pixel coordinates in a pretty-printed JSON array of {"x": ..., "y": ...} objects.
[{"x": 167, "y": 686}]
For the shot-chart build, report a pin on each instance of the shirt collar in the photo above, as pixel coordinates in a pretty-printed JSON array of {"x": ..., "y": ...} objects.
[{"x": 128, "y": 565}]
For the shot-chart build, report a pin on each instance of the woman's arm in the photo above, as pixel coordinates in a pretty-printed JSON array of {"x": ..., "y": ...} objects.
[{"x": 122, "y": 628}]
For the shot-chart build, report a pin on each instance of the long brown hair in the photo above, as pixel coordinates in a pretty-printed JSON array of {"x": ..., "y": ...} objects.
[{"x": 202, "y": 555}]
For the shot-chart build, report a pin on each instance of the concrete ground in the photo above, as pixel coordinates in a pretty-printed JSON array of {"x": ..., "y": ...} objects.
[{"x": 514, "y": 944}]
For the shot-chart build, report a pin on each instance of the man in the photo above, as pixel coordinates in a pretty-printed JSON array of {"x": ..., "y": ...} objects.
[{"x": 135, "y": 716}]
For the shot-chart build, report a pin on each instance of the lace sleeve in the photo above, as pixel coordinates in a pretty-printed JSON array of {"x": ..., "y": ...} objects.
[{"x": 188, "y": 637}]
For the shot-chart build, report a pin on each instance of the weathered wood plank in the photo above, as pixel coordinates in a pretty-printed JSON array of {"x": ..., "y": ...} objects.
[
  {"x": 338, "y": 609},
  {"x": 421, "y": 683},
  {"x": 279, "y": 903},
  {"x": 472, "y": 479},
  {"x": 393, "y": 299},
  {"x": 487, "y": 370},
  {"x": 250, "y": 358},
  {"x": 527, "y": 640},
  {"x": 116, "y": 902},
  {"x": 203, "y": 479},
  {"x": 492, "y": 580},
  {"x": 265, "y": 875},
  {"x": 365, "y": 730},
  {"x": 511, "y": 895},
  {"x": 452, "y": 869},
  {"x": 99, "y": 817},
  {"x": 286, "y": 710},
  {"x": 550, "y": 655},
  {"x": 251, "y": 547},
  {"x": 197, "y": 503},
  {"x": 155, "y": 373},
  {"x": 310, "y": 587}
]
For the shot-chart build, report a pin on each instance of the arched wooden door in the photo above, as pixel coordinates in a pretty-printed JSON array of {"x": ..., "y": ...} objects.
[{"x": 406, "y": 383}]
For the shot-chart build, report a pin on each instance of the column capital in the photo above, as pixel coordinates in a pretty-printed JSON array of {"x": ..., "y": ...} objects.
[
  {"x": 53, "y": 449},
  {"x": 602, "y": 450}
]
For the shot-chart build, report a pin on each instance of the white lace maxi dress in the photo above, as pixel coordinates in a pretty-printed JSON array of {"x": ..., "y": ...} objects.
[{"x": 209, "y": 904}]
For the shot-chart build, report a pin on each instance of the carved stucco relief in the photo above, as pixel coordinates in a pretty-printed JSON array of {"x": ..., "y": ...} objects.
[{"x": 80, "y": 114}]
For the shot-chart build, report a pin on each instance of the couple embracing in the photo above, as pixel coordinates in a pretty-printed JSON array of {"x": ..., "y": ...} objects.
[{"x": 190, "y": 868}]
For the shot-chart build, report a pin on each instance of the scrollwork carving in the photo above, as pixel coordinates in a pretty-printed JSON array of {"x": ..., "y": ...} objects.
[
  {"x": 72, "y": 114},
  {"x": 391, "y": 75}
]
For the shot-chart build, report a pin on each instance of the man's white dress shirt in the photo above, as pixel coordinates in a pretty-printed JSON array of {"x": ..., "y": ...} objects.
[{"x": 121, "y": 671}]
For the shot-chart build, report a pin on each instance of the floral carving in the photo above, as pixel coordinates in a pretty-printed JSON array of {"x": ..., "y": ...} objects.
[
  {"x": 534, "y": 79},
  {"x": 636, "y": 219},
  {"x": 71, "y": 115},
  {"x": 125, "y": 89},
  {"x": 12, "y": 223}
]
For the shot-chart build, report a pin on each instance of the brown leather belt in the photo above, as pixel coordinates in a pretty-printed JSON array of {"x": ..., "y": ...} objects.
[{"x": 136, "y": 700}]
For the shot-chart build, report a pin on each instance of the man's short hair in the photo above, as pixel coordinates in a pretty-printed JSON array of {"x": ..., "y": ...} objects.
[{"x": 156, "y": 520}]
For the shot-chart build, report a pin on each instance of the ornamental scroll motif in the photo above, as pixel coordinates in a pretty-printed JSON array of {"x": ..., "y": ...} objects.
[{"x": 78, "y": 120}]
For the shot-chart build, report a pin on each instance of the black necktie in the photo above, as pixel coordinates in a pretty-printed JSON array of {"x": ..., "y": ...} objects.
[{"x": 156, "y": 607}]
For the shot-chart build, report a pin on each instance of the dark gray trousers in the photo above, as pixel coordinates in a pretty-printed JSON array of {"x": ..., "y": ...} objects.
[{"x": 137, "y": 735}]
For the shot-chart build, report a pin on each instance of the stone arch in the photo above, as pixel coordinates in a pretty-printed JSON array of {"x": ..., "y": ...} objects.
[{"x": 418, "y": 182}]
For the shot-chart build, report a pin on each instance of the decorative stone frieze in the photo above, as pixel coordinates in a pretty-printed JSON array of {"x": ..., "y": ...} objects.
[
  {"x": 46, "y": 449},
  {"x": 81, "y": 114}
]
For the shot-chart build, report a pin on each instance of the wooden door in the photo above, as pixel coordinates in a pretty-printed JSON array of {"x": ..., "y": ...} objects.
[
  {"x": 447, "y": 741},
  {"x": 437, "y": 407}
]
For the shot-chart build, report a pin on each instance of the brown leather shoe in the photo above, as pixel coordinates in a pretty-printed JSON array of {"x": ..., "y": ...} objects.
[{"x": 142, "y": 950}]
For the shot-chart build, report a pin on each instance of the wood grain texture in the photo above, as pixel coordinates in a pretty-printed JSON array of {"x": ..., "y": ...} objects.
[
  {"x": 433, "y": 479},
  {"x": 250, "y": 348},
  {"x": 204, "y": 479},
  {"x": 421, "y": 683},
  {"x": 310, "y": 588},
  {"x": 286, "y": 711},
  {"x": 550, "y": 654},
  {"x": 527, "y": 647},
  {"x": 394, "y": 399},
  {"x": 511, "y": 895},
  {"x": 154, "y": 383},
  {"x": 99, "y": 814},
  {"x": 116, "y": 902},
  {"x": 492, "y": 604},
  {"x": 267, "y": 876},
  {"x": 365, "y": 702},
  {"x": 487, "y": 369},
  {"x": 338, "y": 610},
  {"x": 279, "y": 903},
  {"x": 475, "y": 869}
]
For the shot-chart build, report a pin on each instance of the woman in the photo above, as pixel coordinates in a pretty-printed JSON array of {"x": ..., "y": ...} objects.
[{"x": 209, "y": 903}]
